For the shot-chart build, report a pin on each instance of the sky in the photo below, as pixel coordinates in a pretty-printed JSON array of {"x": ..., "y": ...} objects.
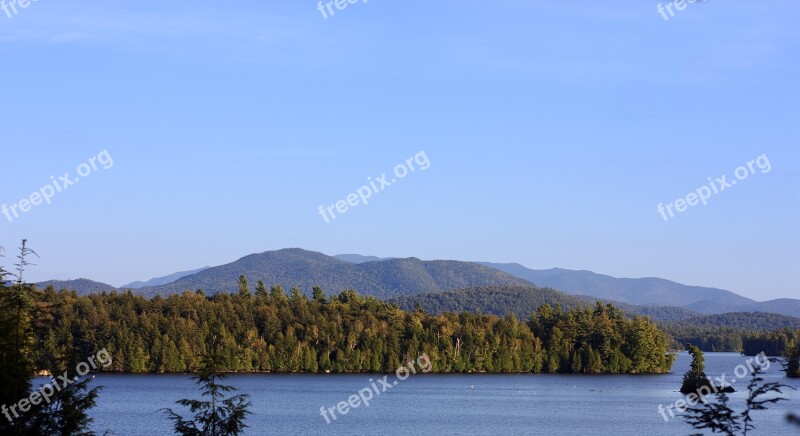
[{"x": 543, "y": 133}]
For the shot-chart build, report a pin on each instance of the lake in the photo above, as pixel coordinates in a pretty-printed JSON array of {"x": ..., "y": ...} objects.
[{"x": 434, "y": 404}]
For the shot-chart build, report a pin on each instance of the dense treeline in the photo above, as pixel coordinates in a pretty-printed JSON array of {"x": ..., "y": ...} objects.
[
  {"x": 760, "y": 321},
  {"x": 657, "y": 313},
  {"x": 749, "y": 333},
  {"x": 272, "y": 331},
  {"x": 520, "y": 301},
  {"x": 774, "y": 343},
  {"x": 783, "y": 342},
  {"x": 706, "y": 338},
  {"x": 600, "y": 340},
  {"x": 710, "y": 333}
]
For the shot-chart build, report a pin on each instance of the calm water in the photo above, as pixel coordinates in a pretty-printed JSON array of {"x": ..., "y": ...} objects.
[{"x": 438, "y": 404}]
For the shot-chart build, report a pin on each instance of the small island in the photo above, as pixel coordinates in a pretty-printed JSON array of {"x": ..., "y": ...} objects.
[{"x": 696, "y": 381}]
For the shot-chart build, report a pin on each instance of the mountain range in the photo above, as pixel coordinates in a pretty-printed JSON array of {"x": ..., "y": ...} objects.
[
  {"x": 156, "y": 281},
  {"x": 395, "y": 278},
  {"x": 306, "y": 269},
  {"x": 648, "y": 291}
]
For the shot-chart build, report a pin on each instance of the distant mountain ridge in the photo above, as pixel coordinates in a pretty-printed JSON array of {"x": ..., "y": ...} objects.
[
  {"x": 305, "y": 269},
  {"x": 648, "y": 291},
  {"x": 156, "y": 281},
  {"x": 393, "y": 277},
  {"x": 82, "y": 286}
]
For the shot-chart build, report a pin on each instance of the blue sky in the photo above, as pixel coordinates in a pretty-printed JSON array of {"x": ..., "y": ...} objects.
[{"x": 553, "y": 130}]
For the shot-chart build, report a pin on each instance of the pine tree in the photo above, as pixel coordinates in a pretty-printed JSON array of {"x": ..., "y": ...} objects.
[
  {"x": 297, "y": 294},
  {"x": 219, "y": 416},
  {"x": 244, "y": 290},
  {"x": 261, "y": 290},
  {"x": 276, "y": 293},
  {"x": 792, "y": 364},
  {"x": 695, "y": 378},
  {"x": 318, "y": 295},
  {"x": 67, "y": 411},
  {"x": 14, "y": 381}
]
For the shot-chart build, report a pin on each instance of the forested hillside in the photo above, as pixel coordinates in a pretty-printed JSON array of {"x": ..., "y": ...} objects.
[
  {"x": 272, "y": 331},
  {"x": 306, "y": 269},
  {"x": 497, "y": 300},
  {"x": 745, "y": 321},
  {"x": 729, "y": 331},
  {"x": 85, "y": 285}
]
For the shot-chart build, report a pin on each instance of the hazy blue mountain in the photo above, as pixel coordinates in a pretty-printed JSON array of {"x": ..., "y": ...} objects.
[
  {"x": 392, "y": 277},
  {"x": 302, "y": 268},
  {"x": 644, "y": 291},
  {"x": 785, "y": 306},
  {"x": 81, "y": 286},
  {"x": 648, "y": 291},
  {"x": 162, "y": 280}
]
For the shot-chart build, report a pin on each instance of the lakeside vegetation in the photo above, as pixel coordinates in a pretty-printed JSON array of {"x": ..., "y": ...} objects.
[
  {"x": 726, "y": 332},
  {"x": 773, "y": 343},
  {"x": 271, "y": 331},
  {"x": 26, "y": 411}
]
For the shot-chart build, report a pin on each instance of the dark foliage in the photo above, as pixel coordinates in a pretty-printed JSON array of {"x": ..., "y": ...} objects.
[
  {"x": 496, "y": 300},
  {"x": 25, "y": 317},
  {"x": 219, "y": 415},
  {"x": 695, "y": 379},
  {"x": 272, "y": 331},
  {"x": 772, "y": 343},
  {"x": 718, "y": 417}
]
